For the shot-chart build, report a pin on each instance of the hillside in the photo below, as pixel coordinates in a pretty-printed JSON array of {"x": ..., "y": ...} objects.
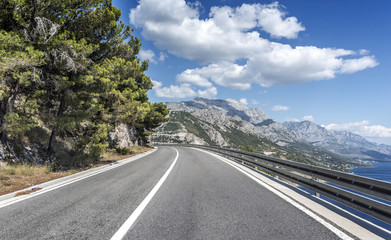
[
  {"x": 231, "y": 124},
  {"x": 341, "y": 142}
]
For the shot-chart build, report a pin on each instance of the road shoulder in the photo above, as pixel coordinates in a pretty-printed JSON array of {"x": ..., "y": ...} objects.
[
  {"x": 348, "y": 226},
  {"x": 11, "y": 198}
]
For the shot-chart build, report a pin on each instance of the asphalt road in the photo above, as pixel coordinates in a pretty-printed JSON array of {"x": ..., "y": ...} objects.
[{"x": 202, "y": 198}]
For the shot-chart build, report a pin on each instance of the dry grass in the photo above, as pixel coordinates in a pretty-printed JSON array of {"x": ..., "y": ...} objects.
[
  {"x": 112, "y": 156},
  {"x": 17, "y": 177}
]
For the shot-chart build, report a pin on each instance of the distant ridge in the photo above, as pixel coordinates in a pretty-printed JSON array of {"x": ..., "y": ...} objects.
[
  {"x": 230, "y": 123},
  {"x": 341, "y": 142}
]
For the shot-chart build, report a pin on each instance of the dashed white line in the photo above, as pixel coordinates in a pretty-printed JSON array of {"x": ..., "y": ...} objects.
[{"x": 136, "y": 213}]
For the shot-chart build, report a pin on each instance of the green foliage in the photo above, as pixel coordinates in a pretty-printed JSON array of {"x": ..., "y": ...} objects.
[
  {"x": 19, "y": 82},
  {"x": 247, "y": 149},
  {"x": 123, "y": 151},
  {"x": 71, "y": 66}
]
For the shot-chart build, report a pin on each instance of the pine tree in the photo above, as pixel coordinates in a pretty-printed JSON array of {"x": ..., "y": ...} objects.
[{"x": 73, "y": 66}]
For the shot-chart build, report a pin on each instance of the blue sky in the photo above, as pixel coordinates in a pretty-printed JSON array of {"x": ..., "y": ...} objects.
[{"x": 324, "y": 61}]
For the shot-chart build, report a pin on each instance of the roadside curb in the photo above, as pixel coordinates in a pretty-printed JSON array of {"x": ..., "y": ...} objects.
[{"x": 10, "y": 198}]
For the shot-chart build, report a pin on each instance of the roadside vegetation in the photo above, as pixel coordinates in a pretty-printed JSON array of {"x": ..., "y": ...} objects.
[
  {"x": 14, "y": 177},
  {"x": 69, "y": 75}
]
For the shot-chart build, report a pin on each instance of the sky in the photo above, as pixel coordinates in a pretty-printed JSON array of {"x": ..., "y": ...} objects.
[{"x": 328, "y": 62}]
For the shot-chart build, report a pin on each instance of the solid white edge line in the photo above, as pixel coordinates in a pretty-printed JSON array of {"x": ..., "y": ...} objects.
[
  {"x": 136, "y": 213},
  {"x": 67, "y": 182},
  {"x": 335, "y": 230}
]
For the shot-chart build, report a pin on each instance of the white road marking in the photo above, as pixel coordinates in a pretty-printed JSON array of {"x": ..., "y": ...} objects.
[
  {"x": 8, "y": 202},
  {"x": 136, "y": 213},
  {"x": 335, "y": 230}
]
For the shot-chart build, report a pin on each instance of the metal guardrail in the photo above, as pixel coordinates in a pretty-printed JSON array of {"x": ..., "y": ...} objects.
[{"x": 351, "y": 190}]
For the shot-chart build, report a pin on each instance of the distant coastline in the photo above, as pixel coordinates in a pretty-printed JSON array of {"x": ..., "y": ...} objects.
[{"x": 378, "y": 170}]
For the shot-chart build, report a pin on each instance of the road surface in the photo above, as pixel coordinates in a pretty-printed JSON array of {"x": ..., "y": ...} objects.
[{"x": 201, "y": 198}]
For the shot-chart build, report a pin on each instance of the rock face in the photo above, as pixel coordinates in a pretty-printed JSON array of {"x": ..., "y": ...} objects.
[
  {"x": 342, "y": 142},
  {"x": 229, "y": 107},
  {"x": 124, "y": 136},
  {"x": 229, "y": 123},
  {"x": 217, "y": 120}
]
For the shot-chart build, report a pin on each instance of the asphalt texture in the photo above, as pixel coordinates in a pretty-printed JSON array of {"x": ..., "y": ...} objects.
[
  {"x": 205, "y": 198},
  {"x": 93, "y": 208},
  {"x": 202, "y": 198}
]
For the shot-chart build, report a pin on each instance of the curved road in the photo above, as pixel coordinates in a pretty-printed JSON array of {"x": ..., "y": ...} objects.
[{"x": 202, "y": 198}]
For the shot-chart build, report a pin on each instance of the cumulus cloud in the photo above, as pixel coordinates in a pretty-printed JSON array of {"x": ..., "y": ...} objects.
[
  {"x": 230, "y": 34},
  {"x": 362, "y": 128},
  {"x": 184, "y": 90},
  {"x": 355, "y": 65},
  {"x": 208, "y": 93},
  {"x": 224, "y": 74},
  {"x": 308, "y": 118},
  {"x": 243, "y": 101},
  {"x": 272, "y": 20},
  {"x": 190, "y": 76},
  {"x": 278, "y": 108}
]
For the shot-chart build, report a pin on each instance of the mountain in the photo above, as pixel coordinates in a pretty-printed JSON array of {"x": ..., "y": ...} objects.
[
  {"x": 341, "y": 142},
  {"x": 223, "y": 114},
  {"x": 231, "y": 124},
  {"x": 229, "y": 107}
]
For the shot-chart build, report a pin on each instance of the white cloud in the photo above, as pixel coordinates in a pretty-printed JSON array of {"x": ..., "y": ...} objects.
[
  {"x": 208, "y": 93},
  {"x": 355, "y": 65},
  {"x": 229, "y": 34},
  {"x": 362, "y": 128},
  {"x": 243, "y": 101},
  {"x": 280, "y": 108},
  {"x": 224, "y": 74},
  {"x": 151, "y": 56},
  {"x": 271, "y": 19},
  {"x": 147, "y": 55},
  {"x": 189, "y": 76},
  {"x": 156, "y": 84},
  {"x": 174, "y": 91},
  {"x": 183, "y": 90},
  {"x": 308, "y": 118}
]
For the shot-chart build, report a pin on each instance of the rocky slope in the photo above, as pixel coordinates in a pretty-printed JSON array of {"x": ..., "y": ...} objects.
[
  {"x": 226, "y": 114},
  {"x": 231, "y": 124},
  {"x": 341, "y": 142}
]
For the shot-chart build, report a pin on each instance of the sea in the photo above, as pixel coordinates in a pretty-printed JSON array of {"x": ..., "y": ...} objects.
[{"x": 380, "y": 171}]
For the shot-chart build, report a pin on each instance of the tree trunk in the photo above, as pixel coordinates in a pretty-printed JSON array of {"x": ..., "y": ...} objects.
[
  {"x": 60, "y": 113},
  {"x": 3, "y": 112}
]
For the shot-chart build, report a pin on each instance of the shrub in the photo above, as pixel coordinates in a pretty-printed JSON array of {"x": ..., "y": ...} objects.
[{"x": 123, "y": 151}]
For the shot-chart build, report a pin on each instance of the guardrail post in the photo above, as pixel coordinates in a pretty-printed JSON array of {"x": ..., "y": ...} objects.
[
  {"x": 316, "y": 193},
  {"x": 277, "y": 175}
]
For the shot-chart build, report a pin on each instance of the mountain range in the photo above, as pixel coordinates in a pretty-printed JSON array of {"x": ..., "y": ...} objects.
[
  {"x": 230, "y": 123},
  {"x": 341, "y": 142}
]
